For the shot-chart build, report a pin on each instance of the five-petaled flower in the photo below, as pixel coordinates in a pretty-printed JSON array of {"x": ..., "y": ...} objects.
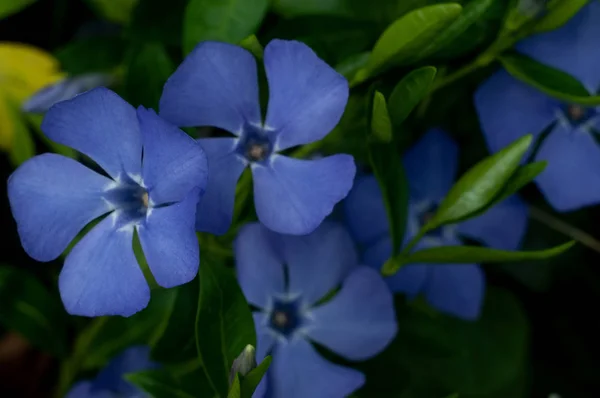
[
  {"x": 217, "y": 85},
  {"x": 509, "y": 109},
  {"x": 110, "y": 382},
  {"x": 156, "y": 175},
  {"x": 357, "y": 323},
  {"x": 431, "y": 167}
]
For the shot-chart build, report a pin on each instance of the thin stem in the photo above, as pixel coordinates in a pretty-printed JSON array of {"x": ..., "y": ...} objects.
[{"x": 558, "y": 225}]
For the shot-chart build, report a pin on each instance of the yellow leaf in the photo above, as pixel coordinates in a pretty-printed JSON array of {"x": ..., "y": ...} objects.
[{"x": 25, "y": 69}]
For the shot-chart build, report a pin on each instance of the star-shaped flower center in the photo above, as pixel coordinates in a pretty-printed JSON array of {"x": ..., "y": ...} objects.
[
  {"x": 254, "y": 144},
  {"x": 286, "y": 317}
]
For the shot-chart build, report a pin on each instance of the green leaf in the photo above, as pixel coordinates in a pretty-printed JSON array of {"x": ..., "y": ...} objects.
[
  {"x": 9, "y": 7},
  {"x": 30, "y": 310},
  {"x": 252, "y": 379},
  {"x": 409, "y": 92},
  {"x": 235, "y": 391},
  {"x": 252, "y": 44},
  {"x": 469, "y": 255},
  {"x": 479, "y": 186},
  {"x": 151, "y": 21},
  {"x": 118, "y": 11},
  {"x": 523, "y": 176},
  {"x": 471, "y": 13},
  {"x": 550, "y": 81},
  {"x": 93, "y": 54},
  {"x": 224, "y": 323},
  {"x": 22, "y": 147},
  {"x": 403, "y": 41},
  {"x": 222, "y": 20},
  {"x": 178, "y": 341},
  {"x": 118, "y": 333},
  {"x": 158, "y": 383},
  {"x": 149, "y": 67},
  {"x": 559, "y": 12},
  {"x": 353, "y": 64},
  {"x": 381, "y": 125}
]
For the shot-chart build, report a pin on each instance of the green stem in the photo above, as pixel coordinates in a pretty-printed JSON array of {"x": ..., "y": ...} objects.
[{"x": 70, "y": 367}]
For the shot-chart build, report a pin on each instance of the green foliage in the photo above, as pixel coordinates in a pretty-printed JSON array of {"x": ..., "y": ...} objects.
[
  {"x": 9, "y": 7},
  {"x": 223, "y": 20},
  {"x": 92, "y": 54},
  {"x": 409, "y": 92},
  {"x": 252, "y": 379},
  {"x": 118, "y": 11},
  {"x": 151, "y": 21},
  {"x": 559, "y": 12},
  {"x": 381, "y": 125}
]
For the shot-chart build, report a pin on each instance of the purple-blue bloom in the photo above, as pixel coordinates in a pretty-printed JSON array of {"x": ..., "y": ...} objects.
[
  {"x": 155, "y": 175},
  {"x": 110, "y": 382},
  {"x": 357, "y": 323},
  {"x": 509, "y": 109},
  {"x": 217, "y": 85},
  {"x": 431, "y": 167}
]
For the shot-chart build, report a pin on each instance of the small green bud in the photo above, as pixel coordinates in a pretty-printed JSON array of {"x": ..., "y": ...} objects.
[{"x": 244, "y": 363}]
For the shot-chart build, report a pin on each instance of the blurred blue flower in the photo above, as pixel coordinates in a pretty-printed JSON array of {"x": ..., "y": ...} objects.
[
  {"x": 63, "y": 90},
  {"x": 357, "y": 323},
  {"x": 217, "y": 85},
  {"x": 110, "y": 382},
  {"x": 431, "y": 167},
  {"x": 509, "y": 109},
  {"x": 53, "y": 197}
]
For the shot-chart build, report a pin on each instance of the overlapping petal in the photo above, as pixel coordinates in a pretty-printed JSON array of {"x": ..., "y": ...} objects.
[
  {"x": 294, "y": 196},
  {"x": 431, "y": 166},
  {"x": 508, "y": 109},
  {"x": 173, "y": 164},
  {"x": 360, "y": 320},
  {"x": 168, "y": 238},
  {"x": 52, "y": 198},
  {"x": 216, "y": 85},
  {"x": 101, "y": 125},
  {"x": 299, "y": 372},
  {"x": 133, "y": 359},
  {"x": 571, "y": 179},
  {"x": 215, "y": 208},
  {"x": 318, "y": 262},
  {"x": 85, "y": 389},
  {"x": 572, "y": 48},
  {"x": 307, "y": 97},
  {"x": 265, "y": 339},
  {"x": 365, "y": 211},
  {"x": 259, "y": 264},
  {"x": 101, "y": 275}
]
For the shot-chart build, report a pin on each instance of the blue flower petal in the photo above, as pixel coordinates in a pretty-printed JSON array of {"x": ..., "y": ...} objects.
[
  {"x": 318, "y": 262},
  {"x": 307, "y": 97},
  {"x": 216, "y": 85},
  {"x": 84, "y": 389},
  {"x": 265, "y": 340},
  {"x": 133, "y": 359},
  {"x": 174, "y": 163},
  {"x": 169, "y": 241},
  {"x": 294, "y": 196},
  {"x": 101, "y": 125},
  {"x": 52, "y": 198},
  {"x": 365, "y": 212},
  {"x": 572, "y": 48},
  {"x": 299, "y": 372},
  {"x": 456, "y": 289},
  {"x": 259, "y": 264},
  {"x": 409, "y": 280},
  {"x": 431, "y": 166},
  {"x": 360, "y": 320},
  {"x": 571, "y": 179},
  {"x": 501, "y": 227},
  {"x": 215, "y": 208},
  {"x": 101, "y": 275},
  {"x": 508, "y": 109}
]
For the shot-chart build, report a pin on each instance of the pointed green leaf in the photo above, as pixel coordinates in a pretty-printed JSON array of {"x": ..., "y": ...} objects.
[
  {"x": 224, "y": 323},
  {"x": 381, "y": 125},
  {"x": 31, "y": 311},
  {"x": 480, "y": 185},
  {"x": 559, "y": 13},
  {"x": 230, "y": 21},
  {"x": 409, "y": 92},
  {"x": 404, "y": 40},
  {"x": 252, "y": 44},
  {"x": 550, "y": 81},
  {"x": 235, "y": 389},
  {"x": 523, "y": 176},
  {"x": 469, "y": 255},
  {"x": 252, "y": 379},
  {"x": 349, "y": 66}
]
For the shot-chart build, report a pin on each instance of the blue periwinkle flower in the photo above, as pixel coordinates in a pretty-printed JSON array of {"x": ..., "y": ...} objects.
[
  {"x": 357, "y": 323},
  {"x": 63, "y": 90},
  {"x": 217, "y": 85},
  {"x": 509, "y": 109},
  {"x": 156, "y": 174},
  {"x": 110, "y": 382},
  {"x": 431, "y": 167}
]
